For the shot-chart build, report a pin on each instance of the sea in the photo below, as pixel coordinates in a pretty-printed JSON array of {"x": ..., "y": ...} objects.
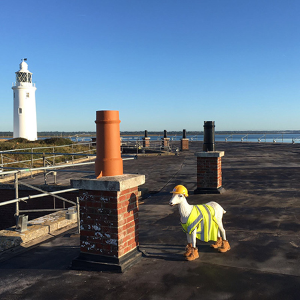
[
  {"x": 254, "y": 138},
  {"x": 291, "y": 138}
]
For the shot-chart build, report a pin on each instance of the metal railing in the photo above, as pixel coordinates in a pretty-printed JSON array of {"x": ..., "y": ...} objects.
[
  {"x": 44, "y": 193},
  {"x": 138, "y": 146},
  {"x": 18, "y": 199},
  {"x": 295, "y": 139},
  {"x": 45, "y": 159},
  {"x": 263, "y": 136},
  {"x": 277, "y": 138},
  {"x": 229, "y": 137},
  {"x": 244, "y": 137}
]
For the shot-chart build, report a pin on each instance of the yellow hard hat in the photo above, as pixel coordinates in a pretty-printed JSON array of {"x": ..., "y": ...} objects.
[{"x": 180, "y": 189}]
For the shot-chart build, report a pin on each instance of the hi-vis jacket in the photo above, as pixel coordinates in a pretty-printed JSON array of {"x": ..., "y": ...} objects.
[{"x": 202, "y": 218}]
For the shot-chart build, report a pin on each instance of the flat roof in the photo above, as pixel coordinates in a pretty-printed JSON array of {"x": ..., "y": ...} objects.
[{"x": 262, "y": 200}]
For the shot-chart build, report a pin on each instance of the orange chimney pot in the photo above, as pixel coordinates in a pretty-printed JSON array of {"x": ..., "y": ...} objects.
[{"x": 108, "y": 161}]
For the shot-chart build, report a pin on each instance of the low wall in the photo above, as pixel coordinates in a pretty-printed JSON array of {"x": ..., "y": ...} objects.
[
  {"x": 7, "y": 192},
  {"x": 41, "y": 227}
]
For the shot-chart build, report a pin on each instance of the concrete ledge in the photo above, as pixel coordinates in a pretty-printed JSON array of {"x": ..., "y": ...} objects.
[
  {"x": 37, "y": 228},
  {"x": 109, "y": 183},
  {"x": 210, "y": 154}
]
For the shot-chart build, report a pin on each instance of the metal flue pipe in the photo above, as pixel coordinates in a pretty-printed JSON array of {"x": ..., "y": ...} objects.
[
  {"x": 209, "y": 136},
  {"x": 165, "y": 134}
]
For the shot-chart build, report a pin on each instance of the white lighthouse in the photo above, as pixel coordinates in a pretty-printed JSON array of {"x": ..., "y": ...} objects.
[{"x": 24, "y": 104}]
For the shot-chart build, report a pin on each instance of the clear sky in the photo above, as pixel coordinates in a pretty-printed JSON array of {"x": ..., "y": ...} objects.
[{"x": 163, "y": 64}]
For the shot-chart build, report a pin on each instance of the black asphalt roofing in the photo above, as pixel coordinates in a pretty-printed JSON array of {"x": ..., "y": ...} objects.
[{"x": 262, "y": 200}]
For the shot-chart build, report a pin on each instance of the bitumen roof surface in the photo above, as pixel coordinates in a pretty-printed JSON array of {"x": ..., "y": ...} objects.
[{"x": 262, "y": 200}]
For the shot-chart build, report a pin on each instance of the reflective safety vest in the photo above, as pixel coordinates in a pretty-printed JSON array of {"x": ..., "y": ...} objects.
[{"x": 202, "y": 218}]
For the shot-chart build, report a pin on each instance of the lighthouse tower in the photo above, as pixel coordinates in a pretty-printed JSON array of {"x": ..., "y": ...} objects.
[{"x": 24, "y": 104}]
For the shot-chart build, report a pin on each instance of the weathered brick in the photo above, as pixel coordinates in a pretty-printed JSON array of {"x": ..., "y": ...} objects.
[
  {"x": 110, "y": 221},
  {"x": 209, "y": 173}
]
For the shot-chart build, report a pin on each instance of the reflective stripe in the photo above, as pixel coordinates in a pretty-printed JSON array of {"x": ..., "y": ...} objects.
[
  {"x": 202, "y": 219},
  {"x": 199, "y": 228},
  {"x": 200, "y": 213},
  {"x": 201, "y": 231},
  {"x": 197, "y": 220},
  {"x": 209, "y": 219},
  {"x": 201, "y": 225}
]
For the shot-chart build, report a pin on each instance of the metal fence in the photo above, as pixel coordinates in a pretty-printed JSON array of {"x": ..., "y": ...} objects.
[
  {"x": 39, "y": 154},
  {"x": 44, "y": 193},
  {"x": 50, "y": 166},
  {"x": 155, "y": 146}
]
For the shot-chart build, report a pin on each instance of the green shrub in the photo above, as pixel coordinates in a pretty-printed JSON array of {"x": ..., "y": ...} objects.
[
  {"x": 20, "y": 143},
  {"x": 56, "y": 141}
]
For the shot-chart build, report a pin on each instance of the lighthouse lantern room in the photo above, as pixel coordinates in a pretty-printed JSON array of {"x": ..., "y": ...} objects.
[{"x": 25, "y": 125}]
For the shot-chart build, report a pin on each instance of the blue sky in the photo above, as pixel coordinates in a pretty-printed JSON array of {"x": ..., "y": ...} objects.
[{"x": 163, "y": 64}]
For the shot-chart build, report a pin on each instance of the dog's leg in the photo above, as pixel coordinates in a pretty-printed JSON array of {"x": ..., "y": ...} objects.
[
  {"x": 219, "y": 241},
  {"x": 225, "y": 244},
  {"x": 188, "y": 248},
  {"x": 189, "y": 238},
  {"x": 222, "y": 231},
  {"x": 194, "y": 251},
  {"x": 194, "y": 233}
]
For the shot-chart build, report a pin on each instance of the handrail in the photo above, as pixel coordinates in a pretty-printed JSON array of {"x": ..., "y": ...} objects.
[
  {"x": 20, "y": 170},
  {"x": 45, "y": 147},
  {"x": 36, "y": 196},
  {"x": 274, "y": 139},
  {"x": 242, "y": 139},
  {"x": 229, "y": 137},
  {"x": 36, "y": 156},
  {"x": 49, "y": 193},
  {"x": 56, "y": 153},
  {"x": 259, "y": 139},
  {"x": 17, "y": 200}
]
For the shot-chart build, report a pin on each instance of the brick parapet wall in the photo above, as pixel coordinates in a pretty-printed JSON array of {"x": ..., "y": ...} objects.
[{"x": 109, "y": 222}]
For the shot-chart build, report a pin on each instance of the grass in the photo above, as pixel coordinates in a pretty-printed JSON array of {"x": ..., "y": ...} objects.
[{"x": 51, "y": 145}]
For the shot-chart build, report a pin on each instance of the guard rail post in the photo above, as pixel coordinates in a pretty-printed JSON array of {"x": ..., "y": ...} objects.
[{"x": 17, "y": 196}]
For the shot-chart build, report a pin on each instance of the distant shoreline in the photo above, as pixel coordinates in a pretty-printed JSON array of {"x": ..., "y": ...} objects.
[{"x": 9, "y": 135}]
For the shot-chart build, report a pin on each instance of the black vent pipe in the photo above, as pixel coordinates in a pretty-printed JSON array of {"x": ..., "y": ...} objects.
[{"x": 209, "y": 136}]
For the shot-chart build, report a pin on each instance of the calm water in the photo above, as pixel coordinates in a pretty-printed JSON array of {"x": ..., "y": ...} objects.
[{"x": 256, "y": 138}]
